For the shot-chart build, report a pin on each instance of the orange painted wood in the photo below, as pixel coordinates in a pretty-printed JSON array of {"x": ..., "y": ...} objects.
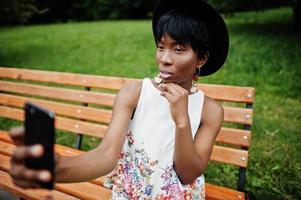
[
  {"x": 219, "y": 154},
  {"x": 4, "y": 162},
  {"x": 234, "y": 136},
  {"x": 58, "y": 93},
  {"x": 219, "y": 92},
  {"x": 84, "y": 190},
  {"x": 71, "y": 125},
  {"x": 6, "y": 149},
  {"x": 4, "y": 136},
  {"x": 230, "y": 155},
  {"x": 214, "y": 192},
  {"x": 231, "y": 114},
  {"x": 88, "y": 191},
  {"x": 94, "y": 81},
  {"x": 7, "y": 184},
  {"x": 63, "y": 109},
  {"x": 88, "y": 126},
  {"x": 229, "y": 93},
  {"x": 238, "y": 115}
]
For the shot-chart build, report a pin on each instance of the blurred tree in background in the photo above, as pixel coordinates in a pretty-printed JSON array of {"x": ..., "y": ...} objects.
[{"x": 48, "y": 11}]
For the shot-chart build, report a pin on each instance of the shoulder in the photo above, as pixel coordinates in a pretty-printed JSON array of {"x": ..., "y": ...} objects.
[
  {"x": 130, "y": 93},
  {"x": 212, "y": 111}
]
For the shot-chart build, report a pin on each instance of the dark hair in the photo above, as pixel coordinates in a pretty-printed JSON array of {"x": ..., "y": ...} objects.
[{"x": 185, "y": 29}]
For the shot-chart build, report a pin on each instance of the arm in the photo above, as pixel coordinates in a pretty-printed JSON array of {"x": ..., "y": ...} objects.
[
  {"x": 191, "y": 156},
  {"x": 105, "y": 156},
  {"x": 88, "y": 165}
]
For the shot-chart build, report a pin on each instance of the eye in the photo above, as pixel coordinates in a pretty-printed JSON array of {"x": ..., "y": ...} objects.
[
  {"x": 179, "y": 50},
  {"x": 160, "y": 47}
]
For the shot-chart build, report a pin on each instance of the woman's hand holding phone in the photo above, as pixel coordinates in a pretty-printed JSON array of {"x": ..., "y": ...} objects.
[
  {"x": 23, "y": 176},
  {"x": 33, "y": 162}
]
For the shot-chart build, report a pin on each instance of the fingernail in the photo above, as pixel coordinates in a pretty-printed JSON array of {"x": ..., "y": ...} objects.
[
  {"x": 44, "y": 176},
  {"x": 36, "y": 150}
]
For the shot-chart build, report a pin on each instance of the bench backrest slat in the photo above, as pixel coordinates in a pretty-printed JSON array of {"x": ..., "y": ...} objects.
[
  {"x": 63, "y": 109},
  {"x": 218, "y": 92},
  {"x": 65, "y": 124},
  {"x": 103, "y": 82},
  {"x": 59, "y": 93},
  {"x": 231, "y": 114}
]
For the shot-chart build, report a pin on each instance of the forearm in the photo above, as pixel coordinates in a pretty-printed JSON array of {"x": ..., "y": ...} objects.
[
  {"x": 84, "y": 167},
  {"x": 187, "y": 163}
]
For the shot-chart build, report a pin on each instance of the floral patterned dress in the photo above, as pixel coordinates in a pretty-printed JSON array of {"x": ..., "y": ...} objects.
[{"x": 145, "y": 168}]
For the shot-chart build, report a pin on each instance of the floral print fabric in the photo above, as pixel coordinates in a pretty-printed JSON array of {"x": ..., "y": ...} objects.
[
  {"x": 145, "y": 167},
  {"x": 131, "y": 179}
]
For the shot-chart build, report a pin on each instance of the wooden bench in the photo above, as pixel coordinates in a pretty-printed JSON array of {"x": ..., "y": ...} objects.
[{"x": 83, "y": 105}]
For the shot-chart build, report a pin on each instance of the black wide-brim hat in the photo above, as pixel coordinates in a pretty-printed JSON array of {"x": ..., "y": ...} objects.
[{"x": 218, "y": 38}]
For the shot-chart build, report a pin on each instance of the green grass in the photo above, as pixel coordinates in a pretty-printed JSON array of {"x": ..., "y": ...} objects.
[{"x": 264, "y": 53}]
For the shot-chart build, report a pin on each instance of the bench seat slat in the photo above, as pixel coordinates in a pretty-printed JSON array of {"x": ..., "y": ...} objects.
[{"x": 58, "y": 93}]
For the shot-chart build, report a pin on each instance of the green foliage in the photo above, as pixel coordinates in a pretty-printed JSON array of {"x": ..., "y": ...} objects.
[
  {"x": 46, "y": 11},
  {"x": 264, "y": 53},
  {"x": 120, "y": 9},
  {"x": 231, "y": 6},
  {"x": 17, "y": 11}
]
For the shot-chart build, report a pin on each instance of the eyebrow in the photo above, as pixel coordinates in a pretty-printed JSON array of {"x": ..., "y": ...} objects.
[{"x": 172, "y": 43}]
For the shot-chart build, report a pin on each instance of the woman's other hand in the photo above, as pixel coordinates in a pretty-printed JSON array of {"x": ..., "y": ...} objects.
[{"x": 177, "y": 97}]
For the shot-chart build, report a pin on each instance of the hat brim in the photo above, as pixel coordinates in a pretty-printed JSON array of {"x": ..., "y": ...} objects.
[{"x": 218, "y": 38}]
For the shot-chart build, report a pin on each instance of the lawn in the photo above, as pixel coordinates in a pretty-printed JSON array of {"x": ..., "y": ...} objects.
[{"x": 264, "y": 53}]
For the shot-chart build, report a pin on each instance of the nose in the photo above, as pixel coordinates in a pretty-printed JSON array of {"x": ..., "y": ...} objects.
[{"x": 165, "y": 58}]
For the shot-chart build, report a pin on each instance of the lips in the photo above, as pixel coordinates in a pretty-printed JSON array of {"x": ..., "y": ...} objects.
[{"x": 165, "y": 74}]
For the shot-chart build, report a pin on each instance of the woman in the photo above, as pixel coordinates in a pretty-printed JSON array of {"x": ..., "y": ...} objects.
[{"x": 159, "y": 141}]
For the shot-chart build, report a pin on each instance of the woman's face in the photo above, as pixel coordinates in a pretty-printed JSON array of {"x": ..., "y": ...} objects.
[{"x": 176, "y": 63}]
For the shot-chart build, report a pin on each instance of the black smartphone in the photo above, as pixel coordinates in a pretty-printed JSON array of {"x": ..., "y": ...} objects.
[{"x": 39, "y": 129}]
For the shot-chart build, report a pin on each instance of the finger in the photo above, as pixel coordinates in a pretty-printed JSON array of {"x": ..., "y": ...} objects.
[
  {"x": 17, "y": 135},
  {"x": 170, "y": 97},
  {"x": 20, "y": 172},
  {"x": 24, "y": 152},
  {"x": 169, "y": 88}
]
